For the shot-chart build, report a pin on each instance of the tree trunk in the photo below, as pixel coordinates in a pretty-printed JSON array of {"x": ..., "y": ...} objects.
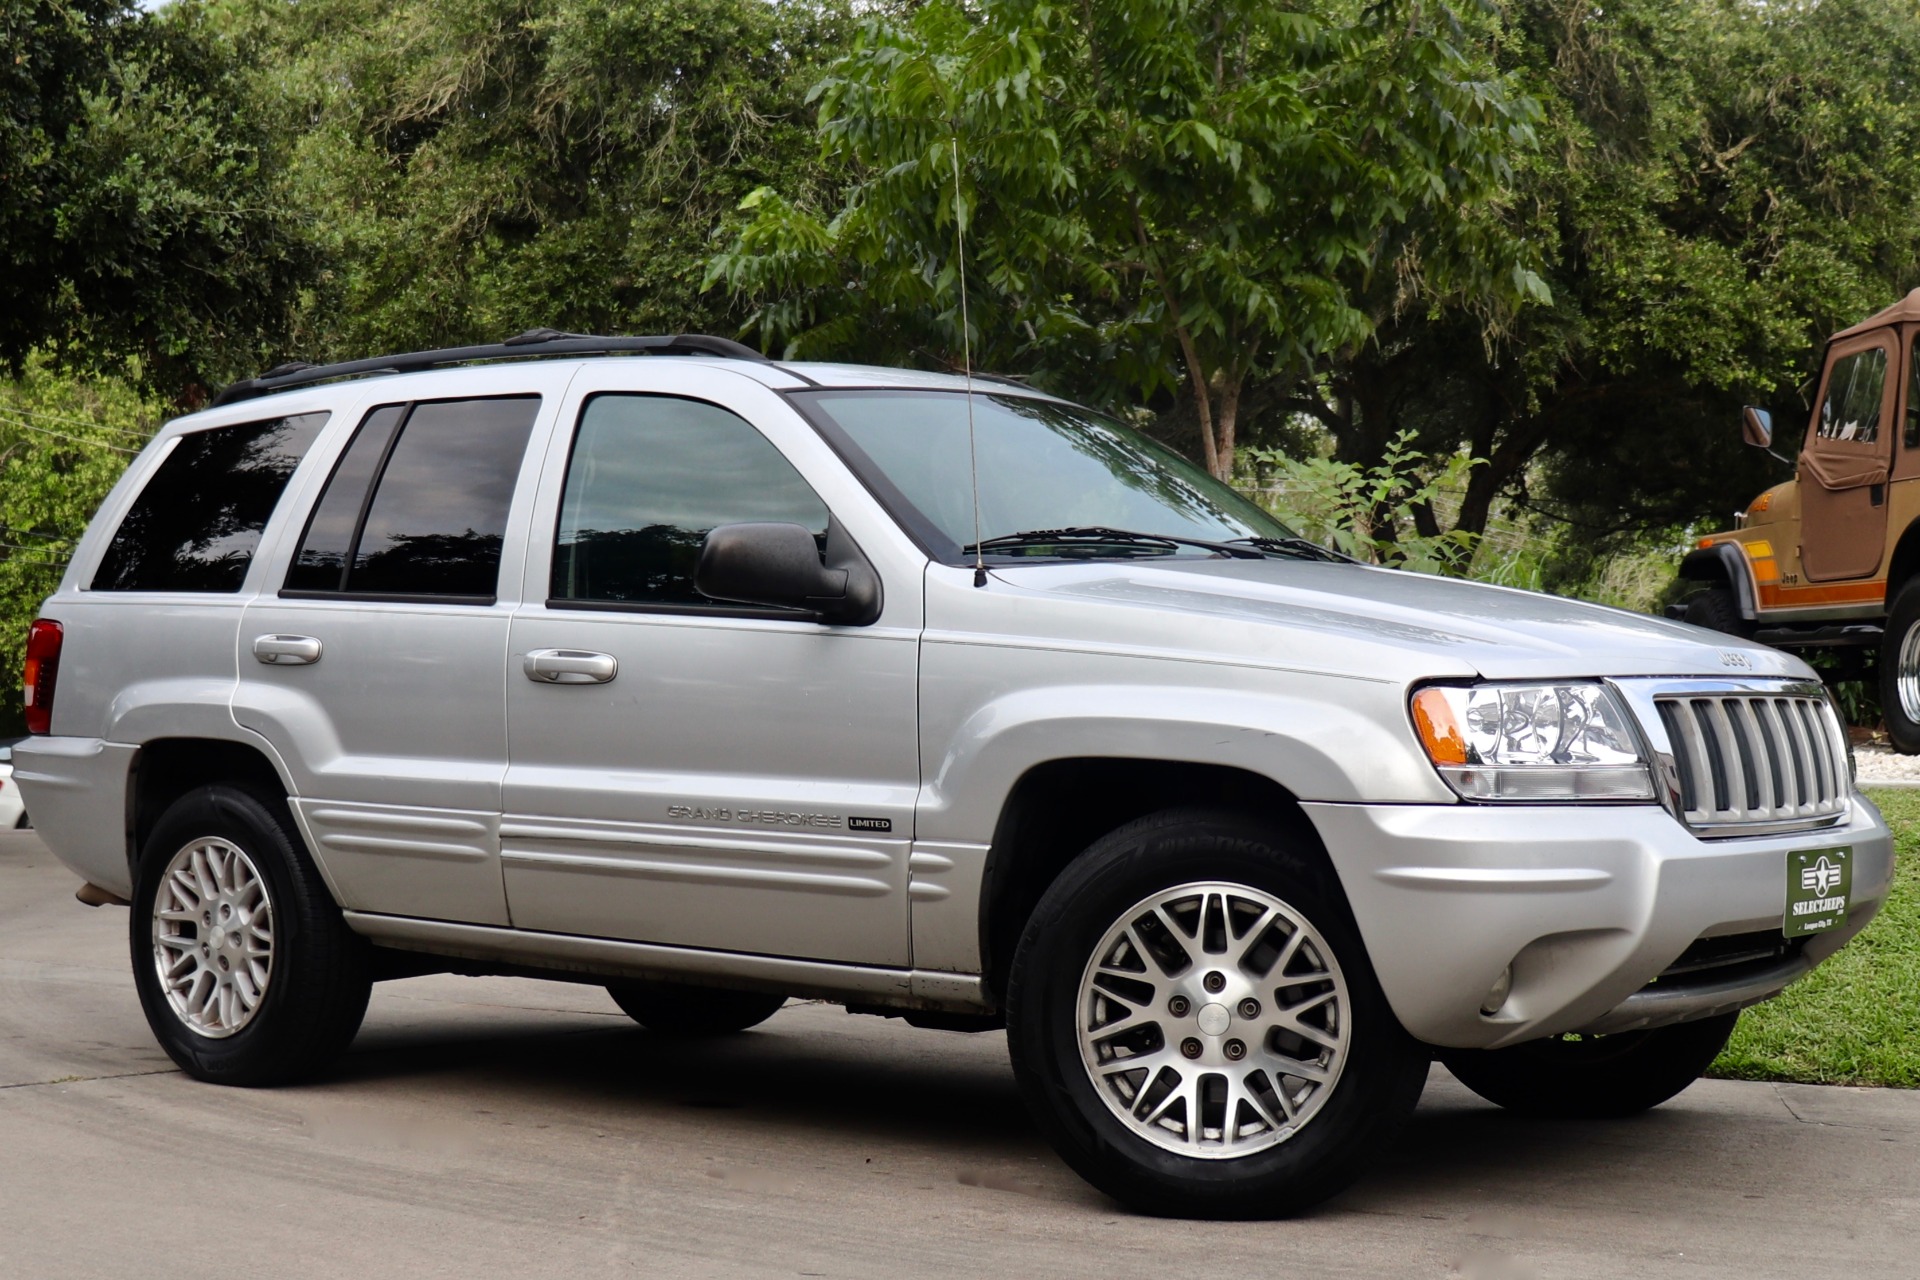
[{"x": 1225, "y": 424}]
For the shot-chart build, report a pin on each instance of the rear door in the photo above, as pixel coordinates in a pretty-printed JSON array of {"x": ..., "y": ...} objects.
[
  {"x": 373, "y": 664},
  {"x": 1844, "y": 464},
  {"x": 685, "y": 771}
]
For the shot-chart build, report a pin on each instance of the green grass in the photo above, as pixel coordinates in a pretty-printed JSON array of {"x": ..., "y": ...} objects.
[{"x": 1855, "y": 1019}]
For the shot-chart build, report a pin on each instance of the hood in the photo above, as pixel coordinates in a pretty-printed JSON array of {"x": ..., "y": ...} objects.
[{"x": 1383, "y": 623}]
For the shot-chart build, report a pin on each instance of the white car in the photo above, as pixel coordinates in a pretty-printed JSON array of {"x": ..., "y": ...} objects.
[{"x": 13, "y": 810}]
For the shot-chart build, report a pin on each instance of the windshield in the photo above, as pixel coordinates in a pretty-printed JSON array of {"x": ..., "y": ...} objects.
[{"x": 1042, "y": 466}]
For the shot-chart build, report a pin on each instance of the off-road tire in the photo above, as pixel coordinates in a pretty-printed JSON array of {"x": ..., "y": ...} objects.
[
  {"x": 1593, "y": 1077},
  {"x": 1717, "y": 609},
  {"x": 683, "y": 1010},
  {"x": 1376, "y": 1089},
  {"x": 321, "y": 976},
  {"x": 1903, "y": 628}
]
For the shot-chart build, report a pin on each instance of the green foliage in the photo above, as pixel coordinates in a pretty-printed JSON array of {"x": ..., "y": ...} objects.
[
  {"x": 63, "y": 443},
  {"x": 1365, "y": 512},
  {"x": 1718, "y": 187},
  {"x": 141, "y": 225},
  {"x": 1156, "y": 196},
  {"x": 1852, "y": 1020},
  {"x": 474, "y": 168}
]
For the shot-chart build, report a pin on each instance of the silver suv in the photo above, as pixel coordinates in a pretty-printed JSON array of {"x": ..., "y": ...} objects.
[{"x": 652, "y": 663}]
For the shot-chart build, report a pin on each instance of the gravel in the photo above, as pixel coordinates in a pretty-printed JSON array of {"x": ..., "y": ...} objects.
[{"x": 1882, "y": 767}]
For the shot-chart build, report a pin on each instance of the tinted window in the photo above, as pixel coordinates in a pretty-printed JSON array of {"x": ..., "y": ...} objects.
[
  {"x": 197, "y": 522},
  {"x": 649, "y": 478},
  {"x": 443, "y": 475},
  {"x": 321, "y": 564},
  {"x": 1851, "y": 410}
]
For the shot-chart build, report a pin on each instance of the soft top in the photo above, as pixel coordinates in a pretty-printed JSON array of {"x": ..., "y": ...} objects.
[{"x": 1908, "y": 308}]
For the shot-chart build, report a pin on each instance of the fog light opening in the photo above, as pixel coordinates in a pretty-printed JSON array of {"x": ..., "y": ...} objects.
[{"x": 1497, "y": 994}]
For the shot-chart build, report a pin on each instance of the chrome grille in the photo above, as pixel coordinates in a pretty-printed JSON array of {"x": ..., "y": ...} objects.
[{"x": 1757, "y": 760}]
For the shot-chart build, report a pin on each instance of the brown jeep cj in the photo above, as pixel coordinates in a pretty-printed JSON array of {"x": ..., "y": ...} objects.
[{"x": 1830, "y": 560}]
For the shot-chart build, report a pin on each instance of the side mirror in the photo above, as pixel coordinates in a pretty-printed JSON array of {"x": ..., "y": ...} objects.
[
  {"x": 1756, "y": 427},
  {"x": 780, "y": 564}
]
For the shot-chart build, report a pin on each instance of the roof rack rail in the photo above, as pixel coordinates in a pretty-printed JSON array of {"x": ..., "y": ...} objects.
[{"x": 532, "y": 343}]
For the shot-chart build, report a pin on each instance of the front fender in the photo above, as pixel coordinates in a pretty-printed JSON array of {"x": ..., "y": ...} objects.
[{"x": 1359, "y": 747}]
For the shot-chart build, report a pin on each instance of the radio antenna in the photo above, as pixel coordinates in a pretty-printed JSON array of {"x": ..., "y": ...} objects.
[{"x": 966, "y": 366}]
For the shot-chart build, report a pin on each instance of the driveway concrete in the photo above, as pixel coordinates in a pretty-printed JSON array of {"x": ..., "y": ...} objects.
[{"x": 494, "y": 1127}]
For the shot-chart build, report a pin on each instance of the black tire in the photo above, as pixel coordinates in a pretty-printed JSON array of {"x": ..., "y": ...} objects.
[
  {"x": 683, "y": 1010},
  {"x": 1372, "y": 1095},
  {"x": 1593, "y": 1077},
  {"x": 23, "y": 823},
  {"x": 1902, "y": 714},
  {"x": 1717, "y": 609},
  {"x": 317, "y": 987}
]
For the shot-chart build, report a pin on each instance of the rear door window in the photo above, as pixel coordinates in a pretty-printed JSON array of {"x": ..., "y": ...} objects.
[
  {"x": 198, "y": 520},
  {"x": 417, "y": 505},
  {"x": 650, "y": 477}
]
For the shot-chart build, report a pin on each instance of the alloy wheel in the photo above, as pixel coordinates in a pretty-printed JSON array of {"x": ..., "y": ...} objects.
[
  {"x": 1213, "y": 1020},
  {"x": 213, "y": 937}
]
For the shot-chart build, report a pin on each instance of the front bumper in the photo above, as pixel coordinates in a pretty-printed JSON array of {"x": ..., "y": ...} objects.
[{"x": 1588, "y": 904}]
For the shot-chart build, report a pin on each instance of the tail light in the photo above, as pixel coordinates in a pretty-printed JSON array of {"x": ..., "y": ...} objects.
[{"x": 38, "y": 675}]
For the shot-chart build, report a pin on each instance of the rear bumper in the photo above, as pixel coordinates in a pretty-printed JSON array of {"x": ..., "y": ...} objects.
[
  {"x": 1588, "y": 904},
  {"x": 76, "y": 790}
]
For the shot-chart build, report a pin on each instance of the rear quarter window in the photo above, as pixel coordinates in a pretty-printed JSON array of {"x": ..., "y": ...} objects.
[{"x": 198, "y": 519}]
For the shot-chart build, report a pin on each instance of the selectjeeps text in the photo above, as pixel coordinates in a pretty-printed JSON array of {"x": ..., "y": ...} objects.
[{"x": 653, "y": 663}]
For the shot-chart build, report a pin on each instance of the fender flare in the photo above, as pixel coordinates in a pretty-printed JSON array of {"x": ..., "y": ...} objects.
[{"x": 1724, "y": 560}]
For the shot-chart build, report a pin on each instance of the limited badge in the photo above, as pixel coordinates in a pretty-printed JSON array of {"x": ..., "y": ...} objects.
[
  {"x": 869, "y": 824},
  {"x": 1819, "y": 882}
]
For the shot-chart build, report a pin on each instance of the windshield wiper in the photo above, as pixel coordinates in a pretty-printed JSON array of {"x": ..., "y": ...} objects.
[
  {"x": 1302, "y": 548},
  {"x": 1094, "y": 535}
]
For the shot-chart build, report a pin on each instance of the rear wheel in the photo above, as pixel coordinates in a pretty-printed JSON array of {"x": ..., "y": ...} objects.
[
  {"x": 680, "y": 1009},
  {"x": 1195, "y": 1027},
  {"x": 1900, "y": 670},
  {"x": 1717, "y": 609},
  {"x": 245, "y": 968},
  {"x": 1593, "y": 1077}
]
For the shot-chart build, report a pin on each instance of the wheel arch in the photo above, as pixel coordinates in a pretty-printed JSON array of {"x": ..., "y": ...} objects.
[
  {"x": 164, "y": 769},
  {"x": 1723, "y": 564},
  {"x": 1059, "y": 807},
  {"x": 1904, "y": 564}
]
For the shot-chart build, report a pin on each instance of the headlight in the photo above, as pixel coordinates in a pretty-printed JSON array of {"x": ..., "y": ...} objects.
[{"x": 1532, "y": 742}]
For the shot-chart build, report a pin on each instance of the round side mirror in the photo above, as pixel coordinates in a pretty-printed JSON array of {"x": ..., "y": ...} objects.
[{"x": 1756, "y": 427}]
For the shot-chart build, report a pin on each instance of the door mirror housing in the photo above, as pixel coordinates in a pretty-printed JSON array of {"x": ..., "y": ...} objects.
[
  {"x": 780, "y": 564},
  {"x": 1756, "y": 427}
]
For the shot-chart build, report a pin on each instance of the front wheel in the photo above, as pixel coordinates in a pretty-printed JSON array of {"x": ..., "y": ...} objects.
[
  {"x": 245, "y": 968},
  {"x": 1195, "y": 1026},
  {"x": 1900, "y": 670},
  {"x": 1593, "y": 1077}
]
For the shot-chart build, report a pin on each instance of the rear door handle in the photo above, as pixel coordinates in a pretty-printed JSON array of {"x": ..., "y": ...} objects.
[
  {"x": 286, "y": 651},
  {"x": 571, "y": 666}
]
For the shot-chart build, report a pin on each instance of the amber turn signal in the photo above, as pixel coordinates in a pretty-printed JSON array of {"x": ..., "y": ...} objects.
[{"x": 1439, "y": 731}]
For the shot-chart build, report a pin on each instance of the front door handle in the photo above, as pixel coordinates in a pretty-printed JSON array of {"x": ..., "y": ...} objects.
[
  {"x": 571, "y": 666},
  {"x": 286, "y": 651}
]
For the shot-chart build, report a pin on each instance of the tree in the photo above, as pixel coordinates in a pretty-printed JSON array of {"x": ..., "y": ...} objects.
[
  {"x": 1158, "y": 195},
  {"x": 474, "y": 168},
  {"x": 139, "y": 220},
  {"x": 1719, "y": 187}
]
